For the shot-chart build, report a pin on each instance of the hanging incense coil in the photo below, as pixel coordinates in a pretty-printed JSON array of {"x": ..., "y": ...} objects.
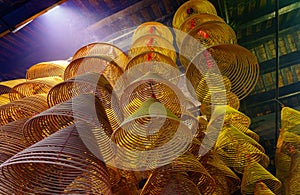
[
  {"x": 255, "y": 173},
  {"x": 169, "y": 184},
  {"x": 11, "y": 139},
  {"x": 80, "y": 108},
  {"x": 47, "y": 69},
  {"x": 5, "y": 89},
  {"x": 24, "y": 108},
  {"x": 181, "y": 165},
  {"x": 33, "y": 87},
  {"x": 232, "y": 116},
  {"x": 62, "y": 156},
  {"x": 152, "y": 62},
  {"x": 205, "y": 36},
  {"x": 227, "y": 182},
  {"x": 190, "y": 8},
  {"x": 149, "y": 127},
  {"x": 208, "y": 86},
  {"x": 190, "y": 23},
  {"x": 292, "y": 182},
  {"x": 289, "y": 118},
  {"x": 4, "y": 94},
  {"x": 102, "y": 66},
  {"x": 262, "y": 189},
  {"x": 235, "y": 149},
  {"x": 152, "y": 43},
  {"x": 152, "y": 28},
  {"x": 232, "y": 101},
  {"x": 91, "y": 83},
  {"x": 151, "y": 137},
  {"x": 151, "y": 86},
  {"x": 235, "y": 62},
  {"x": 103, "y": 50}
]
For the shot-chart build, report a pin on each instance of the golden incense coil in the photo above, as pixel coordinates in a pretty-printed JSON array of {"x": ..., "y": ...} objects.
[
  {"x": 152, "y": 43},
  {"x": 11, "y": 139},
  {"x": 5, "y": 89},
  {"x": 193, "y": 21},
  {"x": 190, "y": 8},
  {"x": 235, "y": 62},
  {"x": 103, "y": 50},
  {"x": 207, "y": 35},
  {"x": 151, "y": 85},
  {"x": 24, "y": 108},
  {"x": 33, "y": 87},
  {"x": 78, "y": 109},
  {"x": 92, "y": 83},
  {"x": 262, "y": 189},
  {"x": 47, "y": 69},
  {"x": 289, "y": 118},
  {"x": 255, "y": 173},
  {"x": 62, "y": 156},
  {"x": 152, "y": 62},
  {"x": 169, "y": 184},
  {"x": 235, "y": 149},
  {"x": 109, "y": 69},
  {"x": 152, "y": 28}
]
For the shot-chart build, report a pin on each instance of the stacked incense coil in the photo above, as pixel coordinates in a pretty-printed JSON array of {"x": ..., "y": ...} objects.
[
  {"x": 47, "y": 69},
  {"x": 205, "y": 40},
  {"x": 288, "y": 151},
  {"x": 151, "y": 102},
  {"x": 66, "y": 159},
  {"x": 5, "y": 89}
]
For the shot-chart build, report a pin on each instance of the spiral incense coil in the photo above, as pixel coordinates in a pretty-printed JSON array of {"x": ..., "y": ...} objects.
[
  {"x": 152, "y": 43},
  {"x": 137, "y": 131},
  {"x": 282, "y": 164},
  {"x": 199, "y": 175},
  {"x": 247, "y": 131},
  {"x": 152, "y": 85},
  {"x": 169, "y": 184},
  {"x": 33, "y": 87},
  {"x": 232, "y": 116},
  {"x": 227, "y": 182},
  {"x": 292, "y": 182},
  {"x": 92, "y": 83},
  {"x": 289, "y": 118},
  {"x": 184, "y": 163},
  {"x": 11, "y": 139},
  {"x": 62, "y": 115},
  {"x": 5, "y": 89},
  {"x": 153, "y": 62},
  {"x": 62, "y": 156},
  {"x": 209, "y": 87},
  {"x": 193, "y": 21},
  {"x": 235, "y": 148},
  {"x": 102, "y": 50},
  {"x": 262, "y": 189},
  {"x": 141, "y": 147},
  {"x": 205, "y": 36},
  {"x": 190, "y": 8},
  {"x": 235, "y": 62},
  {"x": 24, "y": 108},
  {"x": 232, "y": 101},
  {"x": 47, "y": 69},
  {"x": 255, "y": 173},
  {"x": 153, "y": 28},
  {"x": 102, "y": 66}
]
